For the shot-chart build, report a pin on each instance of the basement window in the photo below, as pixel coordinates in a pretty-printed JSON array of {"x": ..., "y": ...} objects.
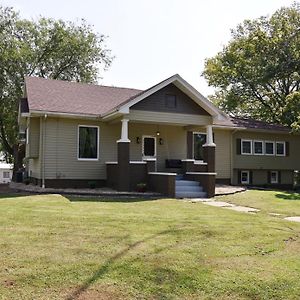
[
  {"x": 274, "y": 176},
  {"x": 88, "y": 142},
  {"x": 245, "y": 177}
]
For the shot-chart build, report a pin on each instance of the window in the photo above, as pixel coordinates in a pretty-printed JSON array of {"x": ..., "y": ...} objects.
[
  {"x": 245, "y": 177},
  {"x": 274, "y": 176},
  {"x": 170, "y": 101},
  {"x": 246, "y": 146},
  {"x": 280, "y": 148},
  {"x": 199, "y": 139},
  {"x": 269, "y": 148},
  {"x": 258, "y": 147},
  {"x": 149, "y": 146},
  {"x": 6, "y": 174},
  {"x": 88, "y": 142}
]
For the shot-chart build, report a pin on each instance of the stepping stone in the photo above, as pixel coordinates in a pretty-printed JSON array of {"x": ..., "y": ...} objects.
[
  {"x": 194, "y": 200},
  {"x": 219, "y": 204},
  {"x": 294, "y": 219},
  {"x": 243, "y": 209},
  {"x": 275, "y": 214}
]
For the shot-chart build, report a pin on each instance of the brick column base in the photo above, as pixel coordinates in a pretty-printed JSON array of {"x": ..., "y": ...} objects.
[
  {"x": 123, "y": 182},
  {"x": 209, "y": 156}
]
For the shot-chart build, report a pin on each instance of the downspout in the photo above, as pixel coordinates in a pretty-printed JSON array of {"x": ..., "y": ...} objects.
[
  {"x": 43, "y": 150},
  {"x": 231, "y": 155}
]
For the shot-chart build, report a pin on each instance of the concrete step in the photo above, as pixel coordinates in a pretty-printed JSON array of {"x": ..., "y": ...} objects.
[
  {"x": 186, "y": 182},
  {"x": 188, "y": 188},
  {"x": 191, "y": 195}
]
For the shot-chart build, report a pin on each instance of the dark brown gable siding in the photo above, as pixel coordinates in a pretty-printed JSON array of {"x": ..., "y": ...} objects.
[{"x": 184, "y": 104}]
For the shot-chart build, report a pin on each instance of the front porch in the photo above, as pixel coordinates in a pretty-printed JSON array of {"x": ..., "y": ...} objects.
[{"x": 162, "y": 156}]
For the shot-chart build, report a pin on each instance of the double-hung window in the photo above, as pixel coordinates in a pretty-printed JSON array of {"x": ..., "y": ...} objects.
[
  {"x": 280, "y": 148},
  {"x": 246, "y": 146},
  {"x": 258, "y": 147},
  {"x": 269, "y": 148},
  {"x": 88, "y": 142}
]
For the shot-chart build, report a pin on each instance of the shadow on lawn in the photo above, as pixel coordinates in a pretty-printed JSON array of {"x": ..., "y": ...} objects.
[
  {"x": 122, "y": 199},
  {"x": 288, "y": 196},
  {"x": 108, "y": 264}
]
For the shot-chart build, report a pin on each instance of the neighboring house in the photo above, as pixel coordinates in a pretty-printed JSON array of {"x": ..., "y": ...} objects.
[
  {"x": 5, "y": 172},
  {"x": 81, "y": 134}
]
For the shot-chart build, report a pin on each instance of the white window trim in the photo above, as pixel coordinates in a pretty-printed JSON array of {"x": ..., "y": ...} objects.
[
  {"x": 193, "y": 150},
  {"x": 148, "y": 136},
  {"x": 271, "y": 142},
  {"x": 27, "y": 135},
  {"x": 248, "y": 177},
  {"x": 98, "y": 143},
  {"x": 274, "y": 181},
  {"x": 284, "y": 151},
  {"x": 251, "y": 147},
  {"x": 263, "y": 148}
]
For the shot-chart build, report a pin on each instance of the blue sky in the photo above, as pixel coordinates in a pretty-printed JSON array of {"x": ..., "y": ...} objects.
[{"x": 153, "y": 39}]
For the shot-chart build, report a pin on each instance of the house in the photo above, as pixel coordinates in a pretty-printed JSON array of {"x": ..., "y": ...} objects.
[
  {"x": 82, "y": 134},
  {"x": 5, "y": 172}
]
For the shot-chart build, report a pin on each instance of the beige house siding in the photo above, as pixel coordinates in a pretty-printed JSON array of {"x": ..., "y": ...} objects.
[
  {"x": 61, "y": 146},
  {"x": 168, "y": 118},
  {"x": 223, "y": 153},
  {"x": 61, "y": 138},
  {"x": 33, "y": 147},
  {"x": 291, "y": 162},
  {"x": 173, "y": 137},
  {"x": 260, "y": 177}
]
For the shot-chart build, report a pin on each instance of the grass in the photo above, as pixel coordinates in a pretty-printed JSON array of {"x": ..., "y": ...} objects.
[
  {"x": 285, "y": 203},
  {"x": 53, "y": 247}
]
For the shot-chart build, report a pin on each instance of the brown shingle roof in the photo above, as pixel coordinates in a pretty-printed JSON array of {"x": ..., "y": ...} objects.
[
  {"x": 74, "y": 98},
  {"x": 255, "y": 124}
]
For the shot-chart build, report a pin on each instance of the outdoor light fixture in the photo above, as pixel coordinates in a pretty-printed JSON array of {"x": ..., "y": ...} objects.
[
  {"x": 157, "y": 133},
  {"x": 161, "y": 141},
  {"x": 137, "y": 140}
]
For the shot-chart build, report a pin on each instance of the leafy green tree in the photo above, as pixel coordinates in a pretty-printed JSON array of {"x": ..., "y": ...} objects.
[
  {"x": 258, "y": 73},
  {"x": 46, "y": 48}
]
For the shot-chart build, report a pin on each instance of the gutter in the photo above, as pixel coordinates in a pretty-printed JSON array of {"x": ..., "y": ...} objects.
[
  {"x": 231, "y": 155},
  {"x": 43, "y": 149}
]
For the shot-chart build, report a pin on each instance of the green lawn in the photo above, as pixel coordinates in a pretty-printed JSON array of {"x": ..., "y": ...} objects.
[
  {"x": 52, "y": 247},
  {"x": 284, "y": 203}
]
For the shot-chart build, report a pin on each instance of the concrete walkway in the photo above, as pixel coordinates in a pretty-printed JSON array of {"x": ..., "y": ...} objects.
[{"x": 245, "y": 209}]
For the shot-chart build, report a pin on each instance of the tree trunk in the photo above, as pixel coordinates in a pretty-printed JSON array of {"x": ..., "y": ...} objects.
[{"x": 19, "y": 154}]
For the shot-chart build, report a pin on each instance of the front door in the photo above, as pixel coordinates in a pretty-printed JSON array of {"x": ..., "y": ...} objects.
[
  {"x": 149, "y": 147},
  {"x": 199, "y": 139}
]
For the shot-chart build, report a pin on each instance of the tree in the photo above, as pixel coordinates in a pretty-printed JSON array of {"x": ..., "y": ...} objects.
[
  {"x": 258, "y": 73},
  {"x": 46, "y": 48}
]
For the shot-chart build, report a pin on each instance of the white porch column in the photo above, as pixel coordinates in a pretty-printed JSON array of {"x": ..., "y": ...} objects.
[
  {"x": 124, "y": 131},
  {"x": 209, "y": 136}
]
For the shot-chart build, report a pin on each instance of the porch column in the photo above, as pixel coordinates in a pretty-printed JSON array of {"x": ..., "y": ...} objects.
[
  {"x": 209, "y": 150},
  {"x": 123, "y": 158}
]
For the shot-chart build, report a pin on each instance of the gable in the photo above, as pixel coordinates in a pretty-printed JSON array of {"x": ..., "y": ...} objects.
[{"x": 164, "y": 99}]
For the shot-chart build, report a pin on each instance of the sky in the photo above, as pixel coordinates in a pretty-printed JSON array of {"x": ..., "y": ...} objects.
[{"x": 155, "y": 39}]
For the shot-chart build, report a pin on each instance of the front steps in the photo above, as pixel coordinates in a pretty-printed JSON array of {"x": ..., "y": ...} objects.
[{"x": 188, "y": 188}]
